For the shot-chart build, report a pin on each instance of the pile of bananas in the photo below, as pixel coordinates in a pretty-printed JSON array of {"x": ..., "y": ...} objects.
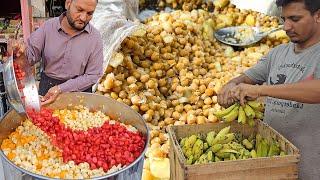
[
  {"x": 245, "y": 114},
  {"x": 213, "y": 147}
]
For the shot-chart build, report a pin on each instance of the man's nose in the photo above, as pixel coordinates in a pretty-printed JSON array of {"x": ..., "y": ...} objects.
[
  {"x": 83, "y": 17},
  {"x": 287, "y": 25}
]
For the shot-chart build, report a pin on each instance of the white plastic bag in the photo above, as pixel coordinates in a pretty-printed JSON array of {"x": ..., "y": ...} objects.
[{"x": 115, "y": 19}]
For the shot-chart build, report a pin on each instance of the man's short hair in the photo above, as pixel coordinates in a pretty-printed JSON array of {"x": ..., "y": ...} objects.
[{"x": 311, "y": 5}]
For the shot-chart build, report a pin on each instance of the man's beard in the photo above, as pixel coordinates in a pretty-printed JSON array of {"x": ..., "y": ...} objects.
[{"x": 72, "y": 22}]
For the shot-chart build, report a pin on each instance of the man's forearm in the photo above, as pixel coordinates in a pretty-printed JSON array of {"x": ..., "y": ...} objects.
[
  {"x": 306, "y": 92},
  {"x": 242, "y": 79}
]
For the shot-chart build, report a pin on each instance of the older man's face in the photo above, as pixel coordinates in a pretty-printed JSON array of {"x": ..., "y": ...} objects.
[
  {"x": 299, "y": 23},
  {"x": 79, "y": 12}
]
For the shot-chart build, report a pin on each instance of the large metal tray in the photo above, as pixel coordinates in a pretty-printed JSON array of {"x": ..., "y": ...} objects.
[{"x": 111, "y": 107}]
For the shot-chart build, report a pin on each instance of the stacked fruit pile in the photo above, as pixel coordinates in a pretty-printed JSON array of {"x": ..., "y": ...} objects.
[{"x": 224, "y": 146}]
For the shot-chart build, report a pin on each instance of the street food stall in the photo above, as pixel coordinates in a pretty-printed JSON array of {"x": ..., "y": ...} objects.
[{"x": 163, "y": 68}]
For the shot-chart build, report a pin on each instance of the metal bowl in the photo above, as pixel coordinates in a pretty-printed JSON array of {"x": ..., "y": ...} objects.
[
  {"x": 27, "y": 97},
  {"x": 113, "y": 108}
]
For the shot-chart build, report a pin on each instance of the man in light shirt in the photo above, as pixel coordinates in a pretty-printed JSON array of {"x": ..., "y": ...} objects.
[{"x": 71, "y": 51}]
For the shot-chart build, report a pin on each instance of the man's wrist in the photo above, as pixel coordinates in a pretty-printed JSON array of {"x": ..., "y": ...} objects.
[
  {"x": 262, "y": 90},
  {"x": 59, "y": 89}
]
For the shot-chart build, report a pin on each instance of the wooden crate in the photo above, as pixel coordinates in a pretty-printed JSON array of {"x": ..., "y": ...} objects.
[{"x": 284, "y": 167}]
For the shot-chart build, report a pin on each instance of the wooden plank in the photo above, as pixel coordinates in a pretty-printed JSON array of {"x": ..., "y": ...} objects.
[
  {"x": 239, "y": 165},
  {"x": 172, "y": 162},
  {"x": 287, "y": 172}
]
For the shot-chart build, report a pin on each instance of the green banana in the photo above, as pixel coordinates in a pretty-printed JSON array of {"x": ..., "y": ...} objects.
[
  {"x": 188, "y": 153},
  {"x": 256, "y": 105},
  {"x": 259, "y": 145},
  {"x": 220, "y": 114},
  {"x": 182, "y": 141},
  {"x": 228, "y": 151},
  {"x": 236, "y": 146},
  {"x": 215, "y": 148},
  {"x": 197, "y": 149},
  {"x": 251, "y": 122},
  {"x": 217, "y": 159},
  {"x": 232, "y": 157},
  {"x": 249, "y": 111},
  {"x": 190, "y": 160},
  {"x": 247, "y": 144},
  {"x": 189, "y": 142},
  {"x": 274, "y": 149},
  {"x": 221, "y": 135},
  {"x": 205, "y": 146},
  {"x": 265, "y": 148},
  {"x": 282, "y": 153},
  {"x": 244, "y": 157},
  {"x": 210, "y": 156},
  {"x": 227, "y": 138},
  {"x": 259, "y": 115},
  {"x": 210, "y": 137},
  {"x": 223, "y": 155},
  {"x": 242, "y": 116},
  {"x": 203, "y": 159},
  {"x": 232, "y": 115},
  {"x": 253, "y": 153}
]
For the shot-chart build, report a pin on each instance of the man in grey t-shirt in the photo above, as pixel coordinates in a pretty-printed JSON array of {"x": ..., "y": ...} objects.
[{"x": 291, "y": 75}]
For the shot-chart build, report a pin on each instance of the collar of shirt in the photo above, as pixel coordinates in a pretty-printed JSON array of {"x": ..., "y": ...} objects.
[{"x": 59, "y": 28}]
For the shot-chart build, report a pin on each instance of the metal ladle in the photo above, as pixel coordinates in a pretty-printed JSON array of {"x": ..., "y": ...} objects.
[{"x": 228, "y": 35}]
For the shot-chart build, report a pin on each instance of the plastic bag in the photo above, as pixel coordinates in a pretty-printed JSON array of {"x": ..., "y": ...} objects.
[{"x": 115, "y": 20}]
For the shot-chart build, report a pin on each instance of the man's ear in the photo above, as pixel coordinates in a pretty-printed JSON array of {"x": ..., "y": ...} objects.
[
  {"x": 67, "y": 4},
  {"x": 317, "y": 16}
]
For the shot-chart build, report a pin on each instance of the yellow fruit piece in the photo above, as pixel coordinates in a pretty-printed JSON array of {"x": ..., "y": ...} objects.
[
  {"x": 52, "y": 175},
  {"x": 250, "y": 20},
  {"x": 8, "y": 144},
  {"x": 39, "y": 166},
  {"x": 146, "y": 164},
  {"x": 43, "y": 157},
  {"x": 15, "y": 135},
  {"x": 220, "y": 3},
  {"x": 160, "y": 168},
  {"x": 11, "y": 155},
  {"x": 146, "y": 175},
  {"x": 63, "y": 173}
]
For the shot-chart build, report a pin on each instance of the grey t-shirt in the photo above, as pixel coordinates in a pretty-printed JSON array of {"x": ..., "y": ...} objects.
[{"x": 298, "y": 122}]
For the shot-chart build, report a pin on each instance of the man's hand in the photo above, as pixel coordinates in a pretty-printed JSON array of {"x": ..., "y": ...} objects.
[
  {"x": 51, "y": 95},
  {"x": 244, "y": 92},
  {"x": 15, "y": 48},
  {"x": 225, "y": 97}
]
